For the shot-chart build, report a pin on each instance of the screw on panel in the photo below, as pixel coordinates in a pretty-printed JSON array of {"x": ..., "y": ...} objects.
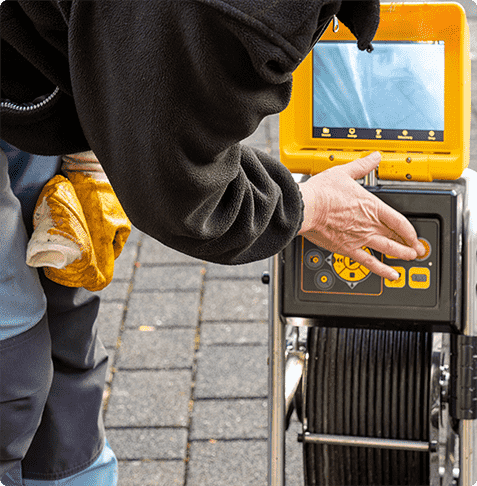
[
  {"x": 408, "y": 176},
  {"x": 409, "y": 160},
  {"x": 332, "y": 157}
]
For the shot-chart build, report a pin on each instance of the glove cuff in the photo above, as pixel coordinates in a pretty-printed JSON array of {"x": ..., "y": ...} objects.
[{"x": 85, "y": 162}]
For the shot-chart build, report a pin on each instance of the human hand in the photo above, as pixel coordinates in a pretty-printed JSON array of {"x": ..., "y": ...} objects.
[{"x": 342, "y": 216}]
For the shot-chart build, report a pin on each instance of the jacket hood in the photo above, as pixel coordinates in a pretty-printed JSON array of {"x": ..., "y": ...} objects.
[
  {"x": 362, "y": 19},
  {"x": 292, "y": 19}
]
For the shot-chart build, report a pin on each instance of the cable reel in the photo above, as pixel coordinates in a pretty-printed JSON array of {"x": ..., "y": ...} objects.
[{"x": 375, "y": 408}]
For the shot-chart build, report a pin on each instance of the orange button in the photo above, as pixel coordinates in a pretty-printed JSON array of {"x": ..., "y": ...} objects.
[{"x": 427, "y": 246}]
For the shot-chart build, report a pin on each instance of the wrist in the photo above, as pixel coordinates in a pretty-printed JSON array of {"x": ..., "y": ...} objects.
[{"x": 309, "y": 208}]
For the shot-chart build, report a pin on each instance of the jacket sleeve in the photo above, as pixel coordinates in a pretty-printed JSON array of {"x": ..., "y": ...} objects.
[{"x": 165, "y": 91}]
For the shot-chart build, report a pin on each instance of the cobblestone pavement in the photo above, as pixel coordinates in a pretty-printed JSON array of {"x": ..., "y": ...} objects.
[{"x": 186, "y": 399}]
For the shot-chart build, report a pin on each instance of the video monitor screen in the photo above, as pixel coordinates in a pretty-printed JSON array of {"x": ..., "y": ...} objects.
[{"x": 395, "y": 92}]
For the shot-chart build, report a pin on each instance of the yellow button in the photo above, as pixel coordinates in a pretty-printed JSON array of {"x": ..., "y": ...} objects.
[
  {"x": 400, "y": 282},
  {"x": 338, "y": 263},
  {"x": 353, "y": 275},
  {"x": 351, "y": 264},
  {"x": 348, "y": 269},
  {"x": 419, "y": 278},
  {"x": 364, "y": 270}
]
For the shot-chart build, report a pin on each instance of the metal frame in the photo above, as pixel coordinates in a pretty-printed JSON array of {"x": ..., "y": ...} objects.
[
  {"x": 450, "y": 453},
  {"x": 468, "y": 428},
  {"x": 276, "y": 383}
]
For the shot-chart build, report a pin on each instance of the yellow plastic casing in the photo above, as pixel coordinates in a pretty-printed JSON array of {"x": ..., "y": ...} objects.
[{"x": 401, "y": 159}]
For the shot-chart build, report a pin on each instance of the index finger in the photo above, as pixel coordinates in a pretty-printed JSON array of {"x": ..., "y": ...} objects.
[
  {"x": 362, "y": 167},
  {"x": 373, "y": 264}
]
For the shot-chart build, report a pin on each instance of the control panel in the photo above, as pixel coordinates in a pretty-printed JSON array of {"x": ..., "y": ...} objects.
[
  {"x": 324, "y": 272},
  {"x": 319, "y": 282}
]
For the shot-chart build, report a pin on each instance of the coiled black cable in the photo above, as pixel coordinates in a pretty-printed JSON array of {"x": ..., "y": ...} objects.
[{"x": 367, "y": 383}]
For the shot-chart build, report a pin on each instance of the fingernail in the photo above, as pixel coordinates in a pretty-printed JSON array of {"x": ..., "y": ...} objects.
[{"x": 395, "y": 275}]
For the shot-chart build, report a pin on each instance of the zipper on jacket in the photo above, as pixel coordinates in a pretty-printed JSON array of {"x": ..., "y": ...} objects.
[
  {"x": 29, "y": 106},
  {"x": 336, "y": 25}
]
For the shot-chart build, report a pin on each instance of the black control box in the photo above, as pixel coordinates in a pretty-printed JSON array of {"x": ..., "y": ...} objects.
[{"x": 319, "y": 283}]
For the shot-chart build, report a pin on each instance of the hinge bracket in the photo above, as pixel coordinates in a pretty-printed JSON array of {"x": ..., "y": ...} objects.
[{"x": 463, "y": 399}]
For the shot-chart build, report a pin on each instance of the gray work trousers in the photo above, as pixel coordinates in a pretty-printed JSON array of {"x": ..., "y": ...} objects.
[{"x": 53, "y": 369}]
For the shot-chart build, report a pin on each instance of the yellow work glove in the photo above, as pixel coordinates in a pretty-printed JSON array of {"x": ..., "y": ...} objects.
[{"x": 79, "y": 225}]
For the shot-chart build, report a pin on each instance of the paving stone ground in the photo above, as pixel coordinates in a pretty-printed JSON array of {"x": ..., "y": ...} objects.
[{"x": 186, "y": 398}]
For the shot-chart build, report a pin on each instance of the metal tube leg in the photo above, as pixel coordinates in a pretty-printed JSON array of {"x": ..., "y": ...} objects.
[{"x": 276, "y": 384}]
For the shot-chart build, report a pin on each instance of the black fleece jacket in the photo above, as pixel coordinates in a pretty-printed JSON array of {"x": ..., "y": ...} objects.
[{"x": 163, "y": 91}]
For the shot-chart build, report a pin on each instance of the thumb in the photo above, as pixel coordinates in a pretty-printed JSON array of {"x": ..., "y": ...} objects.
[{"x": 362, "y": 167}]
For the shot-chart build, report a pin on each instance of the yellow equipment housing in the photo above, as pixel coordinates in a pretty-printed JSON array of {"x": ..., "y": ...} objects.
[{"x": 304, "y": 150}]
